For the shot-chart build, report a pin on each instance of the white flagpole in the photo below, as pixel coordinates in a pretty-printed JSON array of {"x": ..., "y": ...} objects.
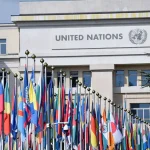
[
  {"x": 42, "y": 145},
  {"x": 21, "y": 79},
  {"x": 53, "y": 108},
  {"x": 15, "y": 75},
  {"x": 64, "y": 75},
  {"x": 33, "y": 127},
  {"x": 27, "y": 53},
  {"x": 3, "y": 75},
  {"x": 8, "y": 79},
  {"x": 89, "y": 117},
  {"x": 85, "y": 117},
  {"x": 59, "y": 114},
  {"x": 80, "y": 84}
]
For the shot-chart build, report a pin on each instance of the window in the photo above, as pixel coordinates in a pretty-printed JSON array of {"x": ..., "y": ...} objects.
[
  {"x": 87, "y": 78},
  {"x": 132, "y": 78},
  {"x": 2, "y": 46},
  {"x": 49, "y": 75},
  {"x": 58, "y": 79},
  {"x": 1, "y": 76},
  {"x": 142, "y": 110},
  {"x": 119, "y": 78},
  {"x": 144, "y": 81},
  {"x": 74, "y": 75}
]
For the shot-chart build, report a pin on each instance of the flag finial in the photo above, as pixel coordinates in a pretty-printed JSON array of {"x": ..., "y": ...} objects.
[
  {"x": 27, "y": 52},
  {"x": 15, "y": 75},
  {"x": 33, "y": 56},
  {"x": 42, "y": 60}
]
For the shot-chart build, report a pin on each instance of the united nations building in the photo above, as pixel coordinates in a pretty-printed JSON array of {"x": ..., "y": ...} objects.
[{"x": 105, "y": 46}]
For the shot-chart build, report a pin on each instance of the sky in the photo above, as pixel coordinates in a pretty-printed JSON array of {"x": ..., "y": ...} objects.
[{"x": 8, "y": 8}]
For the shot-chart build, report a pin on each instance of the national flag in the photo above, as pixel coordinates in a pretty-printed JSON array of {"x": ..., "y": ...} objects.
[
  {"x": 115, "y": 135},
  {"x": 26, "y": 110},
  {"x": 33, "y": 105},
  {"x": 104, "y": 130},
  {"x": 145, "y": 144},
  {"x": 7, "y": 110},
  {"x": 14, "y": 116},
  {"x": 21, "y": 117},
  {"x": 1, "y": 105},
  {"x": 74, "y": 122},
  {"x": 93, "y": 129}
]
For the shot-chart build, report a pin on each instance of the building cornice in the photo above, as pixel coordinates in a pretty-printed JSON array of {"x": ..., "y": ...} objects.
[{"x": 67, "y": 17}]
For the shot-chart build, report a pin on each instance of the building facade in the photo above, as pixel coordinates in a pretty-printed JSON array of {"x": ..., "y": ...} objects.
[{"x": 104, "y": 46}]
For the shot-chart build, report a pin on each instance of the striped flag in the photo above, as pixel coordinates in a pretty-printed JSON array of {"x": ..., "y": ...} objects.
[
  {"x": 1, "y": 105},
  {"x": 104, "y": 130},
  {"x": 7, "y": 110},
  {"x": 93, "y": 129}
]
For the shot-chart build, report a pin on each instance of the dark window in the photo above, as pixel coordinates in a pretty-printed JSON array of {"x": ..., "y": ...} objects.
[
  {"x": 87, "y": 78},
  {"x": 142, "y": 110},
  {"x": 132, "y": 78},
  {"x": 144, "y": 81},
  {"x": 119, "y": 78},
  {"x": 74, "y": 75},
  {"x": 2, "y": 46},
  {"x": 58, "y": 79}
]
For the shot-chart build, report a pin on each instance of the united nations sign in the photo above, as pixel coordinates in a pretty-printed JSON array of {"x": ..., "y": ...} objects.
[
  {"x": 138, "y": 36},
  {"x": 110, "y": 37}
]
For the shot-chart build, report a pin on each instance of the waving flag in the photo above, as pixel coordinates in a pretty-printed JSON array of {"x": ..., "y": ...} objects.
[
  {"x": 14, "y": 116},
  {"x": 145, "y": 144},
  {"x": 115, "y": 135},
  {"x": 21, "y": 118},
  {"x": 93, "y": 128},
  {"x": 27, "y": 113},
  {"x": 1, "y": 105},
  {"x": 33, "y": 105},
  {"x": 104, "y": 130},
  {"x": 7, "y": 110}
]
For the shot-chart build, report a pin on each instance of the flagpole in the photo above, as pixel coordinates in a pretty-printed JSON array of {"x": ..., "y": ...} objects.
[
  {"x": 80, "y": 84},
  {"x": 114, "y": 111},
  {"x": 8, "y": 79},
  {"x": 33, "y": 127},
  {"x": 100, "y": 127},
  {"x": 64, "y": 75},
  {"x": 42, "y": 145},
  {"x": 88, "y": 89},
  {"x": 3, "y": 75},
  {"x": 108, "y": 122},
  {"x": 60, "y": 115},
  {"x": 53, "y": 107},
  {"x": 85, "y": 117},
  {"x": 71, "y": 115},
  {"x": 21, "y": 79},
  {"x": 15, "y": 75},
  {"x": 97, "y": 132},
  {"x": 47, "y": 97},
  {"x": 27, "y": 53},
  {"x": 78, "y": 123}
]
